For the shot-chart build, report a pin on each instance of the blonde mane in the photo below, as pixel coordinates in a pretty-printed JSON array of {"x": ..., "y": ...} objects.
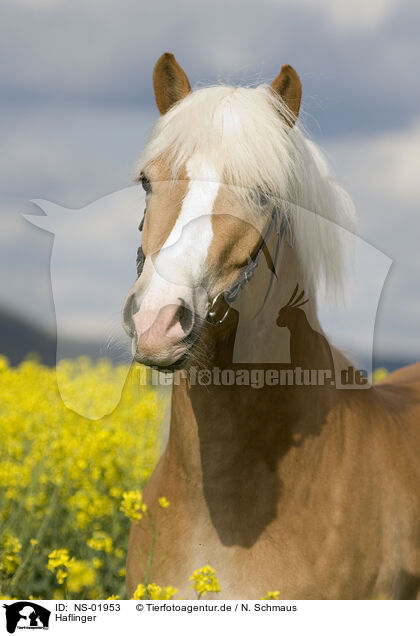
[{"x": 243, "y": 132}]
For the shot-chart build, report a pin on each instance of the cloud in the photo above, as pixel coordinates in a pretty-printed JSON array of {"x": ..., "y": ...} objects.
[
  {"x": 357, "y": 15},
  {"x": 92, "y": 262},
  {"x": 74, "y": 153},
  {"x": 380, "y": 171},
  {"x": 382, "y": 174},
  {"x": 354, "y": 58},
  {"x": 387, "y": 163},
  {"x": 71, "y": 156},
  {"x": 77, "y": 103}
]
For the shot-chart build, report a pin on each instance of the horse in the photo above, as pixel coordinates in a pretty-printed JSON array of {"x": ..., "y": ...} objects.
[{"x": 294, "y": 486}]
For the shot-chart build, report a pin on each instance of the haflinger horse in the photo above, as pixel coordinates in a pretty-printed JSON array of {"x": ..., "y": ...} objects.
[{"x": 297, "y": 486}]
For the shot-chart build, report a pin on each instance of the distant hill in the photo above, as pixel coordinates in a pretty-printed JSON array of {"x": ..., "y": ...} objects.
[{"x": 18, "y": 339}]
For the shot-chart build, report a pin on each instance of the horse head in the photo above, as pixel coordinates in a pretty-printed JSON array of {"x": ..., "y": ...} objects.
[{"x": 208, "y": 200}]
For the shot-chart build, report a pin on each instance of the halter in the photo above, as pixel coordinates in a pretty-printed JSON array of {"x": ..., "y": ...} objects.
[
  {"x": 217, "y": 315},
  {"x": 228, "y": 296},
  {"x": 140, "y": 254}
]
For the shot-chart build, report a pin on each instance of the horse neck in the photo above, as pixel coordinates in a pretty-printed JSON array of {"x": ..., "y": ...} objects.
[
  {"x": 258, "y": 339},
  {"x": 215, "y": 426}
]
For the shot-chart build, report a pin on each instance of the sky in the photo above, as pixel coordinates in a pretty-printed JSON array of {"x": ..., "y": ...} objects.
[{"x": 76, "y": 106}]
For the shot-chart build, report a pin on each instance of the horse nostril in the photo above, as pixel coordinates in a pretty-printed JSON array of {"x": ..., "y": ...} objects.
[{"x": 185, "y": 318}]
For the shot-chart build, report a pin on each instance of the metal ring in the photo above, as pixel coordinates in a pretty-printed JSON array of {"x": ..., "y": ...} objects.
[{"x": 211, "y": 314}]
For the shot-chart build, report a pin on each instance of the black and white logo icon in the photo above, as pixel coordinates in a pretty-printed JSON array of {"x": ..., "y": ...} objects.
[{"x": 26, "y": 615}]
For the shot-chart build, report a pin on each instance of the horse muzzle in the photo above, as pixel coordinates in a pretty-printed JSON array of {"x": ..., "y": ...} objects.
[{"x": 164, "y": 336}]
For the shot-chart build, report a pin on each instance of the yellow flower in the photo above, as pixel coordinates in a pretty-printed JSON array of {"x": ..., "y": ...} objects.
[
  {"x": 11, "y": 543},
  {"x": 81, "y": 575},
  {"x": 132, "y": 505},
  {"x": 100, "y": 541},
  {"x": 8, "y": 598},
  {"x": 204, "y": 580},
  {"x": 271, "y": 596},
  {"x": 139, "y": 592},
  {"x": 10, "y": 563},
  {"x": 378, "y": 375},
  {"x": 61, "y": 576},
  {"x": 168, "y": 592},
  {"x": 51, "y": 484},
  {"x": 57, "y": 558},
  {"x": 163, "y": 502},
  {"x": 10, "y": 546},
  {"x": 154, "y": 592},
  {"x": 113, "y": 598}
]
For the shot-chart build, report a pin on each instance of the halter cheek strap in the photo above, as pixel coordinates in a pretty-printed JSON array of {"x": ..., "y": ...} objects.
[
  {"x": 140, "y": 254},
  {"x": 220, "y": 305}
]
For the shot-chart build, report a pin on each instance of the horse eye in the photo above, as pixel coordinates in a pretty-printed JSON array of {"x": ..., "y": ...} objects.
[{"x": 147, "y": 187}]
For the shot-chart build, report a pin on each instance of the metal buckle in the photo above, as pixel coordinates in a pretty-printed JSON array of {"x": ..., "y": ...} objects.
[{"x": 212, "y": 313}]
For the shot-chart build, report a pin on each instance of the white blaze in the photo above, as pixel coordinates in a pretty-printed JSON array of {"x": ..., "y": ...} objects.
[{"x": 179, "y": 266}]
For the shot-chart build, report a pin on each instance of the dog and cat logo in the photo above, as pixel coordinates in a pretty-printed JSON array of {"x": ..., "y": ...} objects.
[{"x": 26, "y": 615}]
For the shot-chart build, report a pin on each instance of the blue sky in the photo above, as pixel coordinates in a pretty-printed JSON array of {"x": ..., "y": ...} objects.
[{"x": 77, "y": 103}]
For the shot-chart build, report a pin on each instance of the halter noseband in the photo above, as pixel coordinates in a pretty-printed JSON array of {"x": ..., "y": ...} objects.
[{"x": 217, "y": 315}]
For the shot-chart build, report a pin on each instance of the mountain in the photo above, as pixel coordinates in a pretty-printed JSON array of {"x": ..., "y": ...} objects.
[{"x": 18, "y": 339}]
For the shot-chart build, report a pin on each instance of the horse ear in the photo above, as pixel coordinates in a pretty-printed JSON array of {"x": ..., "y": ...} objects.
[
  {"x": 169, "y": 82},
  {"x": 288, "y": 85}
]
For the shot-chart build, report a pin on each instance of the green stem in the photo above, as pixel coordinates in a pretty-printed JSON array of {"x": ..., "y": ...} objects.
[
  {"x": 151, "y": 552},
  {"x": 18, "y": 574}
]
